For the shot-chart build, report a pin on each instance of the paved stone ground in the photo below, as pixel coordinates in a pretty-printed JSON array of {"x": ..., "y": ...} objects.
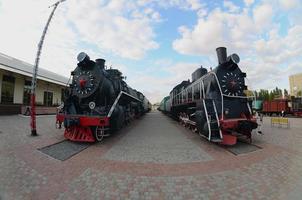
[
  {"x": 153, "y": 158},
  {"x": 163, "y": 143}
]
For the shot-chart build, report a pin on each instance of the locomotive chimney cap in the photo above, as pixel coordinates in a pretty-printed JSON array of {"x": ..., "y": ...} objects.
[
  {"x": 82, "y": 56},
  {"x": 100, "y": 62},
  {"x": 221, "y": 54}
]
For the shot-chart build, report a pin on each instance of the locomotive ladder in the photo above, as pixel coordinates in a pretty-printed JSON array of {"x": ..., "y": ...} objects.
[{"x": 215, "y": 134}]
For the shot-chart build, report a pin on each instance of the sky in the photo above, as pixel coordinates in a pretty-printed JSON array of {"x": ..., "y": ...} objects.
[{"x": 156, "y": 44}]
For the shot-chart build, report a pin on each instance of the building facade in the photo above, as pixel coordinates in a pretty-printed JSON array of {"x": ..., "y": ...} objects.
[
  {"x": 15, "y": 85},
  {"x": 295, "y": 84}
]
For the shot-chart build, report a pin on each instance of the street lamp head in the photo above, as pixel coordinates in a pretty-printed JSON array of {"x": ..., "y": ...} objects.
[{"x": 57, "y": 3}]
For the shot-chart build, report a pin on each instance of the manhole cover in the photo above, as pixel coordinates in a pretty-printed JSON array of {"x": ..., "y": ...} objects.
[
  {"x": 64, "y": 150},
  {"x": 242, "y": 148}
]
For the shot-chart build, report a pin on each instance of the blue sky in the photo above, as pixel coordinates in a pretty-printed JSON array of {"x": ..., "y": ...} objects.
[{"x": 157, "y": 44}]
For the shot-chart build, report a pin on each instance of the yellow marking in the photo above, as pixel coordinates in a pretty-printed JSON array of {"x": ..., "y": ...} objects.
[{"x": 280, "y": 120}]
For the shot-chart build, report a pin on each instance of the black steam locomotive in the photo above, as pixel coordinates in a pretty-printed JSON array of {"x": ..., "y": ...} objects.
[
  {"x": 98, "y": 101},
  {"x": 215, "y": 103}
]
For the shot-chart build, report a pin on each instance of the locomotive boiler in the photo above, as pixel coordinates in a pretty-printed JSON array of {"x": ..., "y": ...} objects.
[
  {"x": 98, "y": 101},
  {"x": 214, "y": 102}
]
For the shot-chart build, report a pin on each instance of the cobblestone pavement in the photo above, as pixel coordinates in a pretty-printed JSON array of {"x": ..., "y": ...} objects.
[
  {"x": 156, "y": 145},
  {"x": 153, "y": 158}
]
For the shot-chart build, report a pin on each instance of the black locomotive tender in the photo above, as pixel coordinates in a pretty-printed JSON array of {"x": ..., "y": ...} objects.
[
  {"x": 98, "y": 101},
  {"x": 214, "y": 103}
]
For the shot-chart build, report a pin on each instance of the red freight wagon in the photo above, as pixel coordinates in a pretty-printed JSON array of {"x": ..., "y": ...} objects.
[{"x": 276, "y": 107}]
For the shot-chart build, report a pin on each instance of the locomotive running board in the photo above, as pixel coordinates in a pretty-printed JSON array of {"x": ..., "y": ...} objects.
[{"x": 118, "y": 98}]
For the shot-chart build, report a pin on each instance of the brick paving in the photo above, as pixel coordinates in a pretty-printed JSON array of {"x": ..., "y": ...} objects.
[
  {"x": 290, "y": 138},
  {"x": 257, "y": 181},
  {"x": 163, "y": 143},
  {"x": 153, "y": 158}
]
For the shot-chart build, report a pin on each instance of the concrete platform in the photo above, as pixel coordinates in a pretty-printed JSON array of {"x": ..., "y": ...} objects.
[{"x": 153, "y": 158}]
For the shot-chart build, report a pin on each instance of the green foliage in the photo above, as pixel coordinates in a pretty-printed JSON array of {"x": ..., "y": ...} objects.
[
  {"x": 265, "y": 95},
  {"x": 285, "y": 93}
]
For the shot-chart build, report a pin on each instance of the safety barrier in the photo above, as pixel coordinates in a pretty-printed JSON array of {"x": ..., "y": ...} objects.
[
  {"x": 281, "y": 121},
  {"x": 40, "y": 110}
]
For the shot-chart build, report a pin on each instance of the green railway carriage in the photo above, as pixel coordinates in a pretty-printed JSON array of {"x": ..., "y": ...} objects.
[
  {"x": 165, "y": 104},
  {"x": 257, "y": 105}
]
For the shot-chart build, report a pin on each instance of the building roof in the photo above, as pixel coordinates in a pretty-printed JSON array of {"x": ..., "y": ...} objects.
[
  {"x": 297, "y": 74},
  {"x": 18, "y": 66}
]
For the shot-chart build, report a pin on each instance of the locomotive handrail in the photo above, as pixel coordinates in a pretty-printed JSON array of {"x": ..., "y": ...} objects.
[
  {"x": 241, "y": 97},
  {"x": 131, "y": 96},
  {"x": 69, "y": 116},
  {"x": 201, "y": 84},
  {"x": 207, "y": 116},
  {"x": 114, "y": 104},
  {"x": 249, "y": 107},
  {"x": 216, "y": 115},
  {"x": 116, "y": 101},
  {"x": 221, "y": 94}
]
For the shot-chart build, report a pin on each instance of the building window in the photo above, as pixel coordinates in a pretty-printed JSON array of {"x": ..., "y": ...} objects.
[
  {"x": 48, "y": 96},
  {"x": 26, "y": 93},
  {"x": 63, "y": 92},
  {"x": 7, "y": 92}
]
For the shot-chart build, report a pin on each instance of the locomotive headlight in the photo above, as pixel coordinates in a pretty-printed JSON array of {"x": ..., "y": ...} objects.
[
  {"x": 82, "y": 56},
  {"x": 234, "y": 58},
  {"x": 91, "y": 105}
]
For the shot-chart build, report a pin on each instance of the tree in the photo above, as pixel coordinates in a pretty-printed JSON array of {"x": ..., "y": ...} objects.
[
  {"x": 269, "y": 95},
  {"x": 263, "y": 95},
  {"x": 285, "y": 93},
  {"x": 276, "y": 93}
]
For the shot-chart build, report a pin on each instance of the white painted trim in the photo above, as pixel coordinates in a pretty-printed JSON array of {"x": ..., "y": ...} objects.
[{"x": 22, "y": 72}]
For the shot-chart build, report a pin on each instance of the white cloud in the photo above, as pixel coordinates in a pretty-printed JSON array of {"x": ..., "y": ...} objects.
[
  {"x": 289, "y": 4},
  {"x": 155, "y": 87},
  {"x": 126, "y": 29},
  {"x": 180, "y": 4},
  {"x": 279, "y": 50},
  {"x": 23, "y": 31},
  {"x": 248, "y": 2},
  {"x": 105, "y": 27},
  {"x": 267, "y": 57},
  {"x": 231, "y": 6},
  {"x": 195, "y": 4},
  {"x": 263, "y": 15},
  {"x": 233, "y": 28},
  {"x": 217, "y": 29},
  {"x": 109, "y": 27}
]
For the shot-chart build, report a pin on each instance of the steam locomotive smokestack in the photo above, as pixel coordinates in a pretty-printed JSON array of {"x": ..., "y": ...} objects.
[
  {"x": 100, "y": 62},
  {"x": 221, "y": 54}
]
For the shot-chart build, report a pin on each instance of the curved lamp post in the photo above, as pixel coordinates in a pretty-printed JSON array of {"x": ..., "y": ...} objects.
[{"x": 35, "y": 71}]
